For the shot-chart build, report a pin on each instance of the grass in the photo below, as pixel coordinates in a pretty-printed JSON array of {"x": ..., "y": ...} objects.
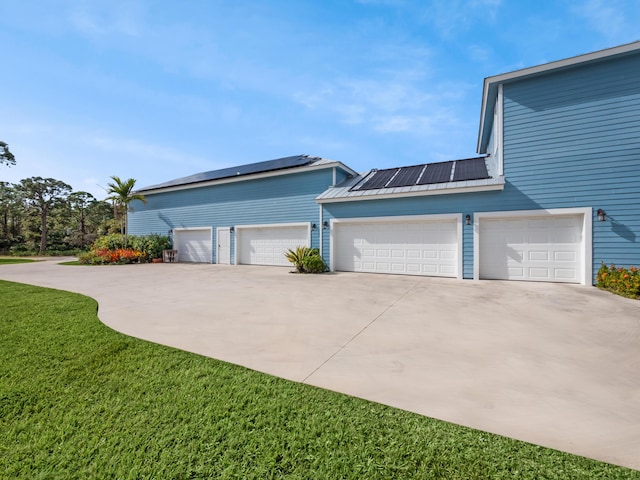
[
  {"x": 78, "y": 400},
  {"x": 8, "y": 260}
]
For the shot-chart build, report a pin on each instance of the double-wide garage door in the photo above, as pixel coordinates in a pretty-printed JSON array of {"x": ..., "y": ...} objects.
[
  {"x": 543, "y": 248},
  {"x": 266, "y": 245},
  {"x": 402, "y": 247}
]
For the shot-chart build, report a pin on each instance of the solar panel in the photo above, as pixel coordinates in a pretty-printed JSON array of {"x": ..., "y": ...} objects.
[
  {"x": 471, "y": 169},
  {"x": 436, "y": 173},
  {"x": 379, "y": 179},
  {"x": 259, "y": 167},
  {"x": 406, "y": 177}
]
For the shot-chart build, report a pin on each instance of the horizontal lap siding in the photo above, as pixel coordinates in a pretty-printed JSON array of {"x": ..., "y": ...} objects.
[
  {"x": 280, "y": 199},
  {"x": 572, "y": 139}
]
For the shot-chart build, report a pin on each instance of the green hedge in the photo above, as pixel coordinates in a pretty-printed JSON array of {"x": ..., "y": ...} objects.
[{"x": 619, "y": 280}]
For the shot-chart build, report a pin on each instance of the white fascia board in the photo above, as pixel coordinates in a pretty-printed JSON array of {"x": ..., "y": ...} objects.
[
  {"x": 567, "y": 62},
  {"x": 274, "y": 225},
  {"x": 587, "y": 232},
  {"x": 361, "y": 195},
  {"x": 499, "y": 130},
  {"x": 243, "y": 178},
  {"x": 437, "y": 217},
  {"x": 544, "y": 68},
  {"x": 320, "y": 230},
  {"x": 182, "y": 229}
]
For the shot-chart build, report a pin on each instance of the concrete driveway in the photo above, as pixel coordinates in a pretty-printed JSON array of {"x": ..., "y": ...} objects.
[{"x": 556, "y": 365}]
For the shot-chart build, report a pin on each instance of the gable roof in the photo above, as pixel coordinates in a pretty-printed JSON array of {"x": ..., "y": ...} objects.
[
  {"x": 270, "y": 167},
  {"x": 454, "y": 176},
  {"x": 490, "y": 89}
]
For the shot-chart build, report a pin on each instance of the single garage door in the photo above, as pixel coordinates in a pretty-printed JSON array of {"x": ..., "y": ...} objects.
[
  {"x": 402, "y": 247},
  {"x": 193, "y": 244},
  {"x": 266, "y": 245},
  {"x": 546, "y": 249}
]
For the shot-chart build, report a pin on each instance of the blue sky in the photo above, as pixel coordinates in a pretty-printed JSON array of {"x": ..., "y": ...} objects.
[{"x": 156, "y": 90}]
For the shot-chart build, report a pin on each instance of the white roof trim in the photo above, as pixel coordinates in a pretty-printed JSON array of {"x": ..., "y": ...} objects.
[
  {"x": 361, "y": 195},
  {"x": 567, "y": 62},
  {"x": 254, "y": 176}
]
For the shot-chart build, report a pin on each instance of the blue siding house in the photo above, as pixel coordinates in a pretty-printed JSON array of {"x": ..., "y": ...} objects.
[
  {"x": 560, "y": 194},
  {"x": 554, "y": 191},
  {"x": 241, "y": 215}
]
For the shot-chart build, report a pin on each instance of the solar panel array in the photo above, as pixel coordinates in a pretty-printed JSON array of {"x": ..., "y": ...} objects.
[
  {"x": 259, "y": 167},
  {"x": 427, "y": 174}
]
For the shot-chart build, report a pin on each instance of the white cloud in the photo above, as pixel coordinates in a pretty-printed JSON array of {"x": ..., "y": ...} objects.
[
  {"x": 607, "y": 18},
  {"x": 101, "y": 18},
  {"x": 451, "y": 17}
]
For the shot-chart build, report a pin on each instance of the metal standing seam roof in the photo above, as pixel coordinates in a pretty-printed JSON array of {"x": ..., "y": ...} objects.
[
  {"x": 424, "y": 179},
  {"x": 242, "y": 170}
]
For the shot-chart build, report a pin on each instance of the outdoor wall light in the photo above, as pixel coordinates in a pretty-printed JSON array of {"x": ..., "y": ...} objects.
[
  {"x": 170, "y": 232},
  {"x": 325, "y": 225},
  {"x": 467, "y": 219},
  {"x": 602, "y": 216},
  {"x": 313, "y": 227},
  {"x": 232, "y": 229}
]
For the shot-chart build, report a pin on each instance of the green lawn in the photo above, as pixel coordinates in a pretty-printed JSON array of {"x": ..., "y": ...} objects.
[
  {"x": 78, "y": 400},
  {"x": 7, "y": 260}
]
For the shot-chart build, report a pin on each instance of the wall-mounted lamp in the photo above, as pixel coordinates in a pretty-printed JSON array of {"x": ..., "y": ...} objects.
[
  {"x": 467, "y": 219},
  {"x": 232, "y": 229},
  {"x": 313, "y": 227},
  {"x": 325, "y": 225},
  {"x": 602, "y": 216},
  {"x": 170, "y": 232}
]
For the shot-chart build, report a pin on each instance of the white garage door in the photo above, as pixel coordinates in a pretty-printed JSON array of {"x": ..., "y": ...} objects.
[
  {"x": 546, "y": 249},
  {"x": 407, "y": 247},
  {"x": 193, "y": 245},
  {"x": 266, "y": 245}
]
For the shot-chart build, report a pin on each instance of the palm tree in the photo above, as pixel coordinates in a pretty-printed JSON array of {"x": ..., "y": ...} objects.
[{"x": 122, "y": 194}]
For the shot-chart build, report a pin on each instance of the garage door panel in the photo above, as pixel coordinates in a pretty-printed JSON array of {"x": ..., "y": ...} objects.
[
  {"x": 568, "y": 274},
  {"x": 538, "y": 249},
  {"x": 539, "y": 256},
  {"x": 411, "y": 248},
  {"x": 194, "y": 245},
  {"x": 267, "y": 245},
  {"x": 539, "y": 273},
  {"x": 565, "y": 257}
]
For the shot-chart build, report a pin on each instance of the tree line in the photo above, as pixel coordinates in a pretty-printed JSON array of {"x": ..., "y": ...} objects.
[
  {"x": 39, "y": 215},
  {"x": 45, "y": 215}
]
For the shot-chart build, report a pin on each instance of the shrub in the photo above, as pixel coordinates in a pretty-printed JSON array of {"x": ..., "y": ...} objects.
[
  {"x": 151, "y": 245},
  {"x": 120, "y": 249},
  {"x": 119, "y": 256},
  {"x": 314, "y": 264},
  {"x": 306, "y": 260},
  {"x": 113, "y": 241},
  {"x": 619, "y": 280}
]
